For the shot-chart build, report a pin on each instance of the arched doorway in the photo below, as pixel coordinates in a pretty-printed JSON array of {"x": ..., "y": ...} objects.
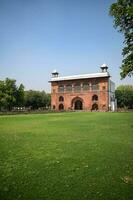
[
  {"x": 78, "y": 105},
  {"x": 61, "y": 106},
  {"x": 95, "y": 106}
]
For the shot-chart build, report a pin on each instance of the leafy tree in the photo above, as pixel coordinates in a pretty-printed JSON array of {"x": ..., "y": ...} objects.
[
  {"x": 36, "y": 99},
  {"x": 124, "y": 96},
  {"x": 2, "y": 94},
  {"x": 122, "y": 11},
  {"x": 10, "y": 94},
  {"x": 20, "y": 96},
  {"x": 48, "y": 100}
]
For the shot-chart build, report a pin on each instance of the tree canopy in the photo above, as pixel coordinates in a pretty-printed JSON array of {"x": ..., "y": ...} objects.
[
  {"x": 37, "y": 99},
  {"x": 12, "y": 96},
  {"x": 124, "y": 96},
  {"x": 122, "y": 12}
]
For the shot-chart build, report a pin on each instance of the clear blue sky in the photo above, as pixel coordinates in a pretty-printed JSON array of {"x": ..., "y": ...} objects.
[{"x": 72, "y": 36}]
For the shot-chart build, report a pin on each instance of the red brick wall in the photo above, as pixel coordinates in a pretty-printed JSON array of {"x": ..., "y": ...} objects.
[{"x": 86, "y": 96}]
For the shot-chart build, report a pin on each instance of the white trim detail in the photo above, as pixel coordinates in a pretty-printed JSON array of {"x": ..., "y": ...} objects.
[{"x": 83, "y": 76}]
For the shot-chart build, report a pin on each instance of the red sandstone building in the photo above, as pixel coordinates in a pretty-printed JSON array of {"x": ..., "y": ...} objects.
[{"x": 83, "y": 92}]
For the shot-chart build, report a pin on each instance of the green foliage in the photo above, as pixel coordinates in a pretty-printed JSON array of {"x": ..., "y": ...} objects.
[
  {"x": 124, "y": 96},
  {"x": 8, "y": 94},
  {"x": 122, "y": 11},
  {"x": 48, "y": 100},
  {"x": 66, "y": 156},
  {"x": 20, "y": 95},
  {"x": 13, "y": 96},
  {"x": 37, "y": 99}
]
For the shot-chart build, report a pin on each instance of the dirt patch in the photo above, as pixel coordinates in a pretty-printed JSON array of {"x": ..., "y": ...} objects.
[{"x": 127, "y": 180}]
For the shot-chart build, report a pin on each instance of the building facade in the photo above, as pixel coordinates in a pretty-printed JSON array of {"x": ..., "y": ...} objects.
[{"x": 83, "y": 92}]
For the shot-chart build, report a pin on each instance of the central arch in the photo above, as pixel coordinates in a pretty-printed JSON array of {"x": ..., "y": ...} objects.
[{"x": 77, "y": 103}]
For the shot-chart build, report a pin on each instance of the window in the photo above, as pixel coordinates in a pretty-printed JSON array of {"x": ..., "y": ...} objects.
[
  {"x": 61, "y": 98},
  {"x": 95, "y": 86},
  {"x": 85, "y": 86},
  {"x": 61, "y": 88},
  {"x": 104, "y": 87},
  {"x": 68, "y": 88},
  {"x": 77, "y": 88},
  {"x": 95, "y": 98}
]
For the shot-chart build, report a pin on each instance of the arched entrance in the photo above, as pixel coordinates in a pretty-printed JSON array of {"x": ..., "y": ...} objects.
[
  {"x": 61, "y": 106},
  {"x": 77, "y": 103},
  {"x": 95, "y": 106}
]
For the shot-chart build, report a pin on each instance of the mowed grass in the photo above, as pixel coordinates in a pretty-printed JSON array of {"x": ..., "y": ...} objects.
[{"x": 66, "y": 156}]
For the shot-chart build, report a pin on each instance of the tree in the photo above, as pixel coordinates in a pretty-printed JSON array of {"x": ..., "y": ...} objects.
[
  {"x": 122, "y": 11},
  {"x": 2, "y": 95},
  {"x": 48, "y": 100},
  {"x": 36, "y": 99},
  {"x": 124, "y": 96},
  {"x": 20, "y": 96},
  {"x": 10, "y": 94}
]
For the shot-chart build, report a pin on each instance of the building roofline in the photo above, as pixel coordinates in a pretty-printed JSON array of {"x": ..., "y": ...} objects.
[{"x": 83, "y": 76}]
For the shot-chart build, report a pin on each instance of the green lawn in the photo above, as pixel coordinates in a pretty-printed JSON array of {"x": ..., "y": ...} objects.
[{"x": 66, "y": 156}]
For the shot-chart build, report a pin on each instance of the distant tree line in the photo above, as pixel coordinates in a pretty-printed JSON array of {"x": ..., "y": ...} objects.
[
  {"x": 124, "y": 96},
  {"x": 12, "y": 96},
  {"x": 37, "y": 99}
]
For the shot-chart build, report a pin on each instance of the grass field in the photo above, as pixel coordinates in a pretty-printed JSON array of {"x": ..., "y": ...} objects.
[{"x": 66, "y": 156}]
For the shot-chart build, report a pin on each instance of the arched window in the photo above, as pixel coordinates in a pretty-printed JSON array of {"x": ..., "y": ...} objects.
[
  {"x": 94, "y": 97},
  {"x": 68, "y": 88},
  {"x": 85, "y": 86},
  {"x": 61, "y": 98},
  {"x": 61, "y": 106},
  {"x": 61, "y": 88},
  {"x": 77, "y": 87}
]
